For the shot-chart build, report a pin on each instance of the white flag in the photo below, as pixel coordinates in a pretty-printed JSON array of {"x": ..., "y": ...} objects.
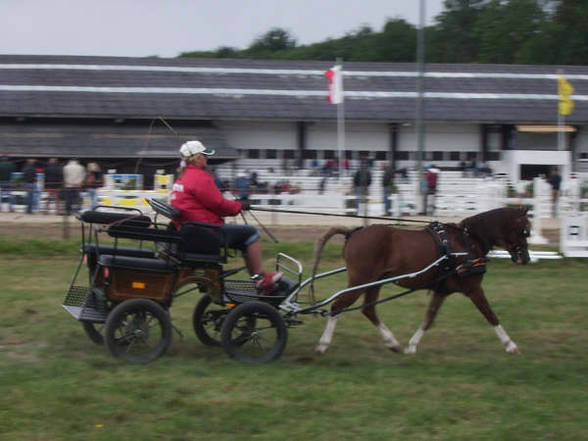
[{"x": 335, "y": 80}]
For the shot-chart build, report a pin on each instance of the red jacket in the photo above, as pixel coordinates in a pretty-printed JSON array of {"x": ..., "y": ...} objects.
[{"x": 199, "y": 199}]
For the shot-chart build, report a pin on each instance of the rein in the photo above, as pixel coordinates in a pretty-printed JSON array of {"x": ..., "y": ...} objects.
[{"x": 316, "y": 213}]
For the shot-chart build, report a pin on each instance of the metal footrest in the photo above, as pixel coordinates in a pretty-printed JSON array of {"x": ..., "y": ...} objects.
[
  {"x": 86, "y": 305},
  {"x": 241, "y": 291}
]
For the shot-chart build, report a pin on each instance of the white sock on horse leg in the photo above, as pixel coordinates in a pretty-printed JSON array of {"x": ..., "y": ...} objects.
[
  {"x": 414, "y": 341},
  {"x": 388, "y": 337},
  {"x": 327, "y": 336},
  {"x": 510, "y": 345}
]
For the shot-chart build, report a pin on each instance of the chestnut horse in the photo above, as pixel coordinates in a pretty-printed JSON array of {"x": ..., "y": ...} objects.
[{"x": 378, "y": 252}]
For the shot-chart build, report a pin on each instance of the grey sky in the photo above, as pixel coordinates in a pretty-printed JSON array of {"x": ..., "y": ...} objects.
[{"x": 166, "y": 28}]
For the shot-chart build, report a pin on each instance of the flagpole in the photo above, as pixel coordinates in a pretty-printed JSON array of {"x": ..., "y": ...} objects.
[
  {"x": 340, "y": 123},
  {"x": 560, "y": 117},
  {"x": 560, "y": 132}
]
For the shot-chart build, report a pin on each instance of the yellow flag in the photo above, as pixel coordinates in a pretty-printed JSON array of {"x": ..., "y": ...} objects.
[{"x": 565, "y": 89}]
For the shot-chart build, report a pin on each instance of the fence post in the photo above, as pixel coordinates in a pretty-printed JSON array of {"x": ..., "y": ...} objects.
[{"x": 536, "y": 237}]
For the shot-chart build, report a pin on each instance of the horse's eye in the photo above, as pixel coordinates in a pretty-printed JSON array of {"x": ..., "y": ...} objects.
[{"x": 526, "y": 233}]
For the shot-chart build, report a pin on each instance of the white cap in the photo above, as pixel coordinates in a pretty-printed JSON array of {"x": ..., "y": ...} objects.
[{"x": 191, "y": 148}]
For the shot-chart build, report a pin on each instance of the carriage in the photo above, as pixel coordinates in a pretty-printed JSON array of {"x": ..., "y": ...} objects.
[{"x": 136, "y": 266}]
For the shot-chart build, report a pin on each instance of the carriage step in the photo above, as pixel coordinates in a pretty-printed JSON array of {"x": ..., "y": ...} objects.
[{"x": 84, "y": 304}]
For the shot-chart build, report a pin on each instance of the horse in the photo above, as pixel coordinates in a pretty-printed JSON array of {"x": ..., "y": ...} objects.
[{"x": 380, "y": 251}]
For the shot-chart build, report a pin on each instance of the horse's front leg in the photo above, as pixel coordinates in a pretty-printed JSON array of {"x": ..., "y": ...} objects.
[
  {"x": 432, "y": 310},
  {"x": 479, "y": 299},
  {"x": 338, "y": 305}
]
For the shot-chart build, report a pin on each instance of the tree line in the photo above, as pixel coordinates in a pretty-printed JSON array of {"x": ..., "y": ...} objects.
[{"x": 466, "y": 31}]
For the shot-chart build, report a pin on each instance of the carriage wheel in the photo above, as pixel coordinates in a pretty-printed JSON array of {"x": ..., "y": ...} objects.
[
  {"x": 95, "y": 331},
  {"x": 254, "y": 332},
  {"x": 207, "y": 321},
  {"x": 138, "y": 330}
]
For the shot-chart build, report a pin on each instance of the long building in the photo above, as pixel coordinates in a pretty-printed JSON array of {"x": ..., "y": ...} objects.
[{"x": 133, "y": 113}]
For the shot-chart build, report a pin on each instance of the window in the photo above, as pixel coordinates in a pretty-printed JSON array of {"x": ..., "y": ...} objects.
[
  {"x": 401, "y": 156},
  {"x": 309, "y": 154},
  {"x": 381, "y": 156},
  {"x": 471, "y": 155},
  {"x": 288, "y": 154},
  {"x": 329, "y": 154},
  {"x": 253, "y": 154},
  {"x": 454, "y": 156},
  {"x": 271, "y": 154},
  {"x": 493, "y": 156},
  {"x": 437, "y": 156}
]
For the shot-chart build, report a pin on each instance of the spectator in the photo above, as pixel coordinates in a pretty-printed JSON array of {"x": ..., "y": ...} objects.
[
  {"x": 362, "y": 179},
  {"x": 253, "y": 182},
  {"x": 39, "y": 184},
  {"x": 29, "y": 179},
  {"x": 346, "y": 166},
  {"x": 555, "y": 181},
  {"x": 73, "y": 179},
  {"x": 53, "y": 184},
  {"x": 387, "y": 185},
  {"x": 431, "y": 178},
  {"x": 6, "y": 170},
  {"x": 92, "y": 183},
  {"x": 242, "y": 186}
]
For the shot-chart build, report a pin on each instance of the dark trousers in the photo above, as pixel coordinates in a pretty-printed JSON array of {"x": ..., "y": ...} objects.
[{"x": 72, "y": 200}]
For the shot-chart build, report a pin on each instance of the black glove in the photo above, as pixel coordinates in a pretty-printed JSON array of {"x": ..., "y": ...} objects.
[{"x": 245, "y": 205}]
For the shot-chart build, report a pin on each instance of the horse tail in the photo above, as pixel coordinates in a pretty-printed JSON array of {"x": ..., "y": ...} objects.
[{"x": 319, "y": 245}]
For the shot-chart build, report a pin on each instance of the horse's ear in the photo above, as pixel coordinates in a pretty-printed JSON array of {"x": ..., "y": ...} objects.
[{"x": 524, "y": 210}]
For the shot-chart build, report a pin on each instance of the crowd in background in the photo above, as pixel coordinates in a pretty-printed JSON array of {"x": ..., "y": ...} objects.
[{"x": 62, "y": 184}]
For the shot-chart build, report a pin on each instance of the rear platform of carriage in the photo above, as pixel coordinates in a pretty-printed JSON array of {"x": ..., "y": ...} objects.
[{"x": 133, "y": 267}]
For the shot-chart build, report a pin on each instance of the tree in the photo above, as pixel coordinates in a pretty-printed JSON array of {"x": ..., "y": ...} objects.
[
  {"x": 455, "y": 35},
  {"x": 509, "y": 32},
  {"x": 567, "y": 34},
  {"x": 274, "y": 40}
]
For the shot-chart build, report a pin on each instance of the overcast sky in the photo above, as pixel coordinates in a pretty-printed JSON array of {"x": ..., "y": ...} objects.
[{"x": 165, "y": 28}]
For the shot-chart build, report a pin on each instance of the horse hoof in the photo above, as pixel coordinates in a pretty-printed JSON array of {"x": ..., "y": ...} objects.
[
  {"x": 513, "y": 349},
  {"x": 321, "y": 349},
  {"x": 397, "y": 349},
  {"x": 411, "y": 350}
]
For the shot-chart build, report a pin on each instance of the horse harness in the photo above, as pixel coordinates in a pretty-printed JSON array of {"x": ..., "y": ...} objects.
[{"x": 471, "y": 266}]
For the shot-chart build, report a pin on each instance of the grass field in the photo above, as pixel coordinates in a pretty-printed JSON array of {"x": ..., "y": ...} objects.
[{"x": 461, "y": 385}]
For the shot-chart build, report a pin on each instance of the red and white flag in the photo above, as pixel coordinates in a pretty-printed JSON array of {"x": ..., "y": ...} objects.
[{"x": 335, "y": 81}]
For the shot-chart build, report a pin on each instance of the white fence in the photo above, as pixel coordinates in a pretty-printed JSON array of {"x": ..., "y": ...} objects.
[{"x": 574, "y": 235}]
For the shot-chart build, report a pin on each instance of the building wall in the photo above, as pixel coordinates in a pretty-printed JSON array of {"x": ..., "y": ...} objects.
[
  {"x": 245, "y": 135},
  {"x": 359, "y": 136},
  {"x": 446, "y": 144}
]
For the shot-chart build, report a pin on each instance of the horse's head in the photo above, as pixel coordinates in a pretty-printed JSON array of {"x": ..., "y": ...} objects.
[{"x": 515, "y": 235}]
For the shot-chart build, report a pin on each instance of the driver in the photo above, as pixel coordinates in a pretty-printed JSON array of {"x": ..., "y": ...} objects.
[{"x": 198, "y": 198}]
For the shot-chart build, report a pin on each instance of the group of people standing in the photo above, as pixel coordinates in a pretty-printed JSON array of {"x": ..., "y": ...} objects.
[
  {"x": 62, "y": 184},
  {"x": 362, "y": 179}
]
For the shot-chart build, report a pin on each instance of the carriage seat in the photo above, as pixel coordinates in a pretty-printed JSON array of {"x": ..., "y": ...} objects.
[
  {"x": 131, "y": 218},
  {"x": 95, "y": 249},
  {"x": 137, "y": 263}
]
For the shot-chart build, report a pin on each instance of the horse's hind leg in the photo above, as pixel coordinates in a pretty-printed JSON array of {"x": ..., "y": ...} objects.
[
  {"x": 369, "y": 310},
  {"x": 433, "y": 309},
  {"x": 338, "y": 305},
  {"x": 479, "y": 299}
]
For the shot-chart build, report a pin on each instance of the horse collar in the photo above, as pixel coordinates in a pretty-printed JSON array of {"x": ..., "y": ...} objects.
[{"x": 437, "y": 230}]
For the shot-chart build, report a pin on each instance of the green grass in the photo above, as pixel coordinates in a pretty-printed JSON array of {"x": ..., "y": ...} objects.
[{"x": 461, "y": 385}]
